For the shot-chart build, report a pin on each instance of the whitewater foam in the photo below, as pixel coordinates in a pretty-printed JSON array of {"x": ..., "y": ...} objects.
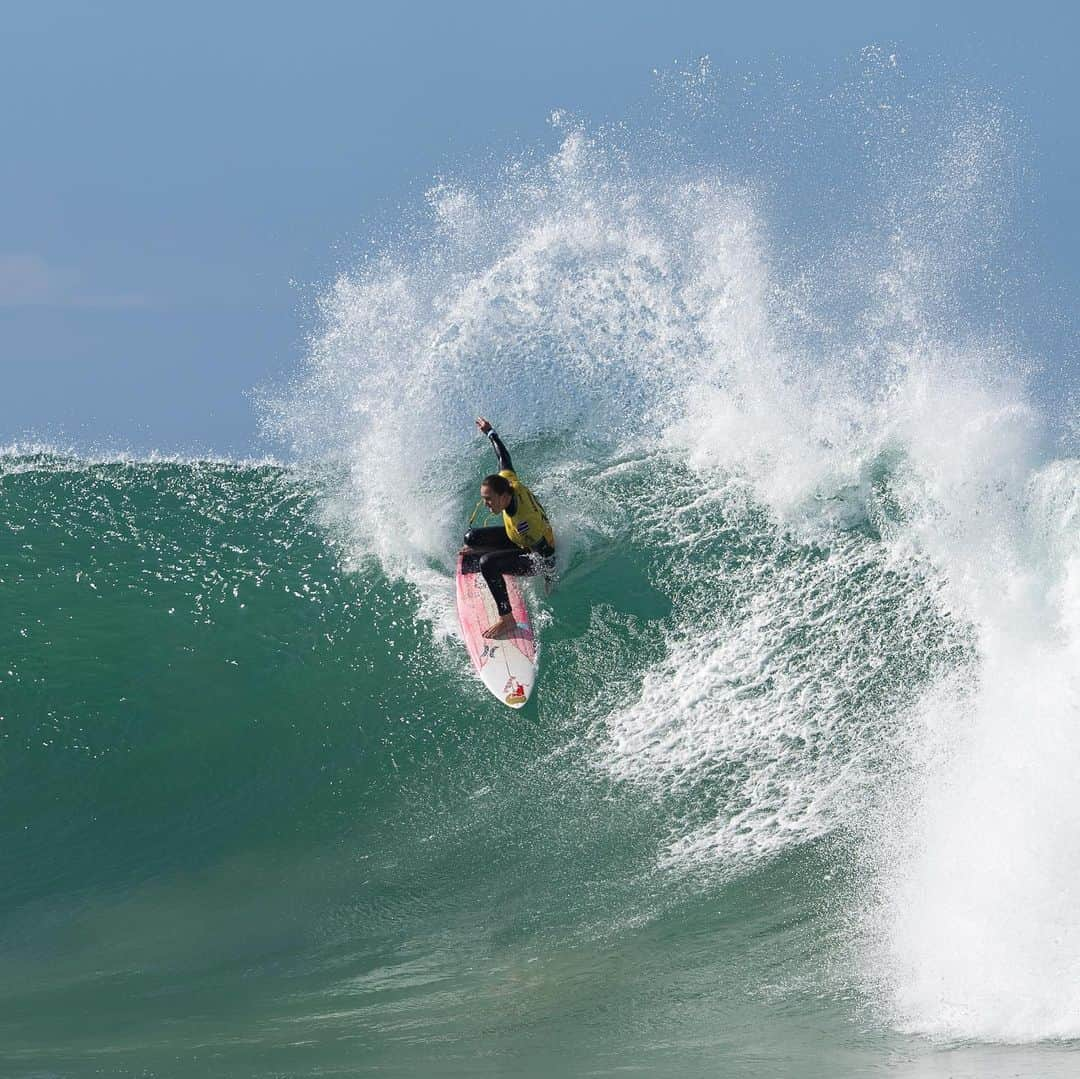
[{"x": 976, "y": 928}]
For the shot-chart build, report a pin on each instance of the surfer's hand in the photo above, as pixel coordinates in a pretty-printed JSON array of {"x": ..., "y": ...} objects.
[{"x": 483, "y": 424}]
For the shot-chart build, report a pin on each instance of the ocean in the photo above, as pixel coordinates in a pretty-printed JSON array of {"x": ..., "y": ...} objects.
[{"x": 795, "y": 795}]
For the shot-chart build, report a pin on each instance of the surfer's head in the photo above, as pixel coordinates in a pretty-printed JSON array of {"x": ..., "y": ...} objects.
[{"x": 496, "y": 492}]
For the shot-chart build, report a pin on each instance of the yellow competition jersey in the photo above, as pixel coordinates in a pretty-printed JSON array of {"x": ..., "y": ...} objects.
[{"x": 528, "y": 525}]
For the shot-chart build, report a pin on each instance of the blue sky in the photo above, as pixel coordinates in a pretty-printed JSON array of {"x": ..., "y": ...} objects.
[{"x": 170, "y": 172}]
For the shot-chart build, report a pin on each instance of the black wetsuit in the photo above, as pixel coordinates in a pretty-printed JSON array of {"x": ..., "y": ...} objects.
[{"x": 498, "y": 554}]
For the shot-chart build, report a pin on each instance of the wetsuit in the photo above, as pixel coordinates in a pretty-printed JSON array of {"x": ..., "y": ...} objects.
[{"x": 522, "y": 546}]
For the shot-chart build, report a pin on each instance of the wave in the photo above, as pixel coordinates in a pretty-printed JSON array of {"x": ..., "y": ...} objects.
[
  {"x": 815, "y": 635},
  {"x": 832, "y": 469}
]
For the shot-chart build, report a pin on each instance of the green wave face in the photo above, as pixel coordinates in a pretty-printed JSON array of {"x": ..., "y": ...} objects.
[{"x": 259, "y": 815}]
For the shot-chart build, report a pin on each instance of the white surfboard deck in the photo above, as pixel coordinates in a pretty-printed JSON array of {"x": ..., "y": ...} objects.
[{"x": 506, "y": 665}]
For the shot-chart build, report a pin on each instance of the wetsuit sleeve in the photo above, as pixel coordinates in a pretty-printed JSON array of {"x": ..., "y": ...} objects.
[{"x": 501, "y": 451}]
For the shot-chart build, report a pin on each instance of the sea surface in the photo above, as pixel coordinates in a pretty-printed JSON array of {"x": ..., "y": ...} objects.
[{"x": 796, "y": 793}]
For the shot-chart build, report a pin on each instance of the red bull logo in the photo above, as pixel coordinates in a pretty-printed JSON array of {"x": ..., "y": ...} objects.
[{"x": 515, "y": 692}]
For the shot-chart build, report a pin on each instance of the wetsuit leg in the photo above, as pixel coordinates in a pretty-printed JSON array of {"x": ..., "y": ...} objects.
[
  {"x": 485, "y": 539},
  {"x": 490, "y": 537},
  {"x": 506, "y": 558},
  {"x": 517, "y": 563}
]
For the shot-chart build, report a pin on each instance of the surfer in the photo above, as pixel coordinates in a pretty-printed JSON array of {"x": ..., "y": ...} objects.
[{"x": 522, "y": 546}]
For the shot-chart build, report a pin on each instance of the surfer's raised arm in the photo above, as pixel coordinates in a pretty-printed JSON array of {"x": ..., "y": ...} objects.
[{"x": 500, "y": 450}]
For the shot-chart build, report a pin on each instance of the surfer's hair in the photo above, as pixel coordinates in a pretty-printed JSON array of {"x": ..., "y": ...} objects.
[{"x": 499, "y": 484}]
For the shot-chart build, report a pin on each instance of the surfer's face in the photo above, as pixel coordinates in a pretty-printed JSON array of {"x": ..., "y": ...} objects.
[{"x": 494, "y": 502}]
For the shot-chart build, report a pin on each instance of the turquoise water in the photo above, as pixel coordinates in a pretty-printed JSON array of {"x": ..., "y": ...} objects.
[{"x": 259, "y": 821}]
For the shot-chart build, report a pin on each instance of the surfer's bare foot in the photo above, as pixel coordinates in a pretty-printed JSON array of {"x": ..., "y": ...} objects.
[{"x": 504, "y": 625}]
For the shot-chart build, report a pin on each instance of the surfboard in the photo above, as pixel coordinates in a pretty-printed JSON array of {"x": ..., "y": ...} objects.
[{"x": 507, "y": 665}]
